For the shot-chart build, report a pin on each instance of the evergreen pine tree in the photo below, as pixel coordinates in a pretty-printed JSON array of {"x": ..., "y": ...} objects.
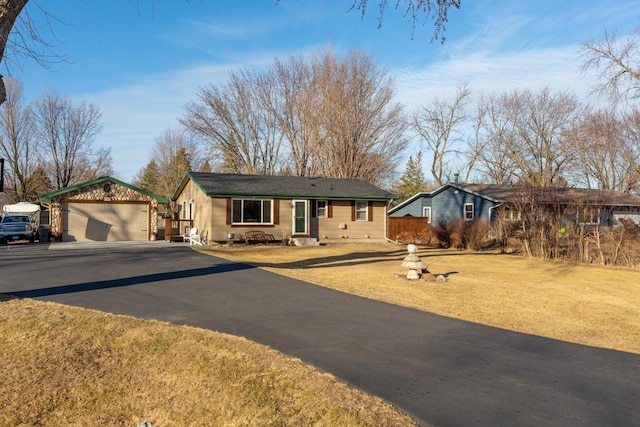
[{"x": 412, "y": 181}]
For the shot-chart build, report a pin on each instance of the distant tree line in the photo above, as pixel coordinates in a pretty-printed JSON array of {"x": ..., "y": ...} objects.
[
  {"x": 49, "y": 144},
  {"x": 538, "y": 137}
]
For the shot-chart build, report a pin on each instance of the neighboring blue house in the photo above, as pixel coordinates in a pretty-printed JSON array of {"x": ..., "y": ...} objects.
[
  {"x": 480, "y": 201},
  {"x": 447, "y": 202}
]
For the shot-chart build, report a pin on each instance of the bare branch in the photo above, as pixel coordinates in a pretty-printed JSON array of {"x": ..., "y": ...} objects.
[{"x": 618, "y": 63}]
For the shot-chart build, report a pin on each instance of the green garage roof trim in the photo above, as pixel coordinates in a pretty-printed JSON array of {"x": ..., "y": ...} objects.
[
  {"x": 230, "y": 185},
  {"x": 51, "y": 196}
]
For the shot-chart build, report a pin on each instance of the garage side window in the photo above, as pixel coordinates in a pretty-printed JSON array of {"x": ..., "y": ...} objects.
[{"x": 252, "y": 211}]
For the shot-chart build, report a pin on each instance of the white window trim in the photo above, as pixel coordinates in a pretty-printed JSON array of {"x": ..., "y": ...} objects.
[
  {"x": 242, "y": 213},
  {"x": 473, "y": 213},
  {"x": 326, "y": 207},
  {"x": 426, "y": 212},
  {"x": 591, "y": 222},
  {"x": 366, "y": 210}
]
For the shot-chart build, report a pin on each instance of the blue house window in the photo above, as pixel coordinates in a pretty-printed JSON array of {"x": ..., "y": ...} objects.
[{"x": 468, "y": 211}]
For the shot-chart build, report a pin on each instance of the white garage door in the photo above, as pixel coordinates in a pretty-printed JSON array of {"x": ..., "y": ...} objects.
[{"x": 105, "y": 222}]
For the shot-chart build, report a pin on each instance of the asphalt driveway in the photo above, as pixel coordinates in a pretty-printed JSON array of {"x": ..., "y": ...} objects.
[{"x": 441, "y": 371}]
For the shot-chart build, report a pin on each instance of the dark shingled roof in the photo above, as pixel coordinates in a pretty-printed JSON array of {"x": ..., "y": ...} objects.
[
  {"x": 215, "y": 184},
  {"x": 567, "y": 195}
]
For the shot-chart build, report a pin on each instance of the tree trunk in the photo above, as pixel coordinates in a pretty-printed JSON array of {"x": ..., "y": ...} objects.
[{"x": 9, "y": 11}]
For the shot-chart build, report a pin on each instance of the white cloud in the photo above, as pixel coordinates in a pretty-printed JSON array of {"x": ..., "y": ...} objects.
[{"x": 492, "y": 73}]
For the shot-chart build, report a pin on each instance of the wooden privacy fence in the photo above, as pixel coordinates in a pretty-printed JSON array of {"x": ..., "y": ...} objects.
[{"x": 399, "y": 224}]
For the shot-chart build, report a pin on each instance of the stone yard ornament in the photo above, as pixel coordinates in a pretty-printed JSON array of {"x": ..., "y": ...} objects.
[{"x": 413, "y": 263}]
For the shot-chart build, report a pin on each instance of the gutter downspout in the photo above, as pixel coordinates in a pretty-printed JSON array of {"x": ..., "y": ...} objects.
[
  {"x": 386, "y": 219},
  {"x": 494, "y": 207},
  {"x": 490, "y": 209},
  {"x": 386, "y": 225}
]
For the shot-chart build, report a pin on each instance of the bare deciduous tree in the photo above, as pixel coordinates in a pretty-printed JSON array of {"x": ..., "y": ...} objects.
[
  {"x": 331, "y": 117},
  {"x": 17, "y": 138},
  {"x": 438, "y": 127},
  {"x": 299, "y": 102},
  {"x": 364, "y": 127},
  {"x": 631, "y": 151},
  {"x": 238, "y": 119},
  {"x": 492, "y": 128},
  {"x": 600, "y": 146},
  {"x": 66, "y": 134},
  {"x": 525, "y": 135},
  {"x": 173, "y": 155},
  {"x": 618, "y": 63}
]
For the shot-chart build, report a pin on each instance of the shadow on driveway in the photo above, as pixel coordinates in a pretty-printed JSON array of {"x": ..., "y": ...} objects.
[{"x": 129, "y": 281}]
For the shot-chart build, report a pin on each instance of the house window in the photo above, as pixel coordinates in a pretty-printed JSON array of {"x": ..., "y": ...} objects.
[
  {"x": 361, "y": 211},
  {"x": 510, "y": 214},
  {"x": 468, "y": 211},
  {"x": 252, "y": 211},
  {"x": 321, "y": 209},
  {"x": 184, "y": 210},
  {"x": 426, "y": 212},
  {"x": 589, "y": 215}
]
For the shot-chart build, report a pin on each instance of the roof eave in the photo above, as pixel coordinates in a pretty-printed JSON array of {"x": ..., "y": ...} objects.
[{"x": 50, "y": 196}]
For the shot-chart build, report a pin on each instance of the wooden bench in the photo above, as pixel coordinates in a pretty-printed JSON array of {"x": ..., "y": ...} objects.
[{"x": 253, "y": 237}]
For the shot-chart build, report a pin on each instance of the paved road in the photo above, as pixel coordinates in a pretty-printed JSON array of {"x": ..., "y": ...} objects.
[{"x": 441, "y": 371}]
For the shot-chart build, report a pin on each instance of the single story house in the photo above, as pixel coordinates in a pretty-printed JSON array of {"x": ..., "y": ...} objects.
[
  {"x": 305, "y": 209},
  {"x": 104, "y": 209},
  {"x": 482, "y": 201}
]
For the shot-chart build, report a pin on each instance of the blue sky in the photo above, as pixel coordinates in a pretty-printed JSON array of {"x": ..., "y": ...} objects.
[{"x": 141, "y": 62}]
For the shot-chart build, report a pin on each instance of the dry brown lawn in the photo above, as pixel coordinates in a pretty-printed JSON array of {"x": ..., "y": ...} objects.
[
  {"x": 65, "y": 366},
  {"x": 581, "y": 304}
]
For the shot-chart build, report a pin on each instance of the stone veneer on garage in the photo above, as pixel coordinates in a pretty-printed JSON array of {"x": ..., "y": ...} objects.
[{"x": 97, "y": 193}]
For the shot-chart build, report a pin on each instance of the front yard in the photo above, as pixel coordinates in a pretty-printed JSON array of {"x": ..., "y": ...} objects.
[
  {"x": 582, "y": 304},
  {"x": 68, "y": 366}
]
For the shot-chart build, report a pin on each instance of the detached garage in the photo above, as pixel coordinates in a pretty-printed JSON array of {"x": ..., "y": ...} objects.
[{"x": 104, "y": 209}]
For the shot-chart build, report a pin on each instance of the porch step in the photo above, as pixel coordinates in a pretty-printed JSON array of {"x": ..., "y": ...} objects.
[{"x": 306, "y": 241}]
